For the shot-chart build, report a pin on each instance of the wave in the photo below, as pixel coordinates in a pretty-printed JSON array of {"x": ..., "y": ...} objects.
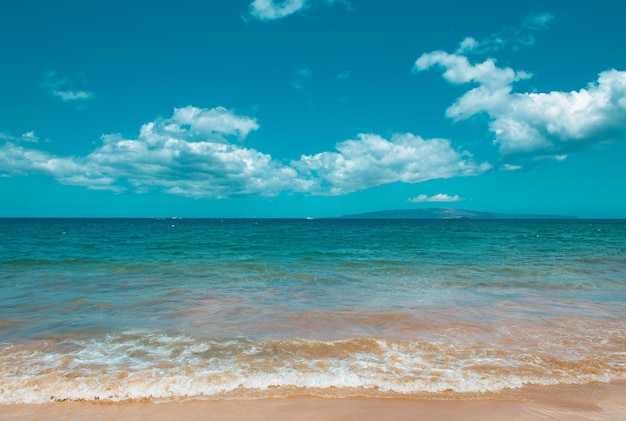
[{"x": 150, "y": 365}]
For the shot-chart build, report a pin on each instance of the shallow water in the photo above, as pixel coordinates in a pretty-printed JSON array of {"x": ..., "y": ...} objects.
[{"x": 167, "y": 309}]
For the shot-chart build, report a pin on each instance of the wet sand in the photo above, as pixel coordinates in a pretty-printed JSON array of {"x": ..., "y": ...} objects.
[{"x": 597, "y": 401}]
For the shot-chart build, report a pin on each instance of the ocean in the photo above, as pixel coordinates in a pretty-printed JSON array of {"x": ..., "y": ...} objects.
[{"x": 176, "y": 309}]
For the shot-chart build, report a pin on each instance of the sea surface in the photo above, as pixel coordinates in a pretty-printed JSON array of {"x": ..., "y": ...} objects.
[{"x": 175, "y": 309}]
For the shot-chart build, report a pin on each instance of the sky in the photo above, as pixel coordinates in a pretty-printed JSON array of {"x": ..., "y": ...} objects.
[{"x": 311, "y": 108}]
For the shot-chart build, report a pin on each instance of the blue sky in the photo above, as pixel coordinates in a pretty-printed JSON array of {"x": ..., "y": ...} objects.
[{"x": 317, "y": 108}]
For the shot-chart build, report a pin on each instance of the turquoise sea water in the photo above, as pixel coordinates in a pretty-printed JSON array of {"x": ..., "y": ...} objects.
[{"x": 119, "y": 309}]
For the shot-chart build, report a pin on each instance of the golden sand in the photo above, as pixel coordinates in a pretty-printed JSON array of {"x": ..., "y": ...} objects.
[{"x": 597, "y": 401}]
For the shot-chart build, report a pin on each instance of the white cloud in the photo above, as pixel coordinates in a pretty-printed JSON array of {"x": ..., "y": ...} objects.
[
  {"x": 209, "y": 122},
  {"x": 513, "y": 37},
  {"x": 458, "y": 69},
  {"x": 468, "y": 44},
  {"x": 72, "y": 95},
  {"x": 186, "y": 154},
  {"x": 511, "y": 167},
  {"x": 536, "y": 125},
  {"x": 437, "y": 198},
  {"x": 61, "y": 88},
  {"x": 26, "y": 137},
  {"x": 538, "y": 21},
  {"x": 191, "y": 154},
  {"x": 17, "y": 160},
  {"x": 268, "y": 10},
  {"x": 559, "y": 121},
  {"x": 371, "y": 161},
  {"x": 30, "y": 137}
]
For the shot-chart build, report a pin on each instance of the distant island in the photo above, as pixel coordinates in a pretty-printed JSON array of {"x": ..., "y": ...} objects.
[{"x": 446, "y": 213}]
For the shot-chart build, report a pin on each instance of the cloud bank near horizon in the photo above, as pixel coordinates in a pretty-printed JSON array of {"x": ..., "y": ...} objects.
[
  {"x": 437, "y": 198},
  {"x": 199, "y": 153}
]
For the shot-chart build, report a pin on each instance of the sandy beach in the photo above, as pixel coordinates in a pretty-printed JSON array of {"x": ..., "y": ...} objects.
[{"x": 590, "y": 402}]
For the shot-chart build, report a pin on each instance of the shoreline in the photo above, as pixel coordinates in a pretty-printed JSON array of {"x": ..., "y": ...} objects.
[{"x": 595, "y": 401}]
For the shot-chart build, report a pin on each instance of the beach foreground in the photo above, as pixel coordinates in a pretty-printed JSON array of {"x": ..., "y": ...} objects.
[
  {"x": 335, "y": 319},
  {"x": 597, "y": 401}
]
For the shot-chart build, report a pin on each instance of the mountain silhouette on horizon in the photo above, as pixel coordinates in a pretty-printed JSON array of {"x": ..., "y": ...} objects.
[{"x": 446, "y": 213}]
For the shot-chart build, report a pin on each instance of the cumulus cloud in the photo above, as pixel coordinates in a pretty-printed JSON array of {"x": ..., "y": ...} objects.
[
  {"x": 371, "y": 160},
  {"x": 557, "y": 122},
  {"x": 191, "y": 154},
  {"x": 197, "y": 152},
  {"x": 529, "y": 127},
  {"x": 207, "y": 123},
  {"x": 269, "y": 10},
  {"x": 62, "y": 88},
  {"x": 535, "y": 125},
  {"x": 17, "y": 160},
  {"x": 437, "y": 198},
  {"x": 187, "y": 154},
  {"x": 458, "y": 69}
]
